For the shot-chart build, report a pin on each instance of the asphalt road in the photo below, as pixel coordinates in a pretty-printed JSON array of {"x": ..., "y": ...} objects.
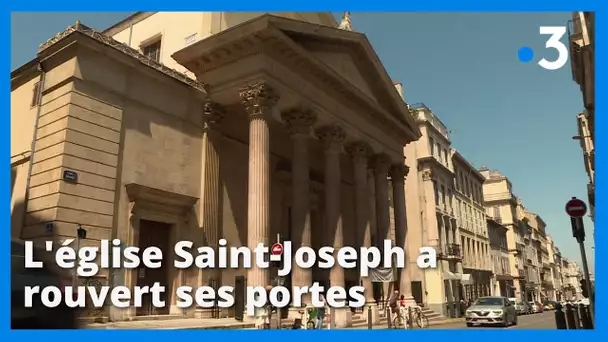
[{"x": 545, "y": 320}]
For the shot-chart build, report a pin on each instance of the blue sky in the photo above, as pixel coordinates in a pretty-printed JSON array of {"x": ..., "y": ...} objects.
[{"x": 511, "y": 116}]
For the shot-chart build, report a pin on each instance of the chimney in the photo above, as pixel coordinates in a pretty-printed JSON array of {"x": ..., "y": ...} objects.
[{"x": 399, "y": 88}]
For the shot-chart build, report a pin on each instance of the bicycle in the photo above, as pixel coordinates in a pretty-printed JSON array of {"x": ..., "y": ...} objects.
[
  {"x": 419, "y": 317},
  {"x": 311, "y": 314},
  {"x": 401, "y": 318}
]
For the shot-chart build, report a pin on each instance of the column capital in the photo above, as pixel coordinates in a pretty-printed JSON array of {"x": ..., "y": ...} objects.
[
  {"x": 299, "y": 120},
  {"x": 381, "y": 162},
  {"x": 213, "y": 114},
  {"x": 399, "y": 172},
  {"x": 332, "y": 136},
  {"x": 359, "y": 151},
  {"x": 258, "y": 99}
]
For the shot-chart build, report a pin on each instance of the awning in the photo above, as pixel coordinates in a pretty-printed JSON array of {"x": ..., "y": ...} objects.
[
  {"x": 451, "y": 276},
  {"x": 467, "y": 279}
]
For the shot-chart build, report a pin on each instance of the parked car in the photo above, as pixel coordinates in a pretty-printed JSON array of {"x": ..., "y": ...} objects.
[
  {"x": 38, "y": 316},
  {"x": 491, "y": 311},
  {"x": 535, "y": 307},
  {"x": 520, "y": 307}
]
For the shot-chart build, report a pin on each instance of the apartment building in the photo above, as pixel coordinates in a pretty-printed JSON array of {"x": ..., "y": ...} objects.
[
  {"x": 471, "y": 222},
  {"x": 588, "y": 148},
  {"x": 502, "y": 205},
  {"x": 502, "y": 280},
  {"x": 553, "y": 284},
  {"x": 572, "y": 277},
  {"x": 582, "y": 61},
  {"x": 431, "y": 206}
]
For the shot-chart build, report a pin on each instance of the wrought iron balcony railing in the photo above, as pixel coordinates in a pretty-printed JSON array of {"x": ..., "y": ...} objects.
[{"x": 453, "y": 250}]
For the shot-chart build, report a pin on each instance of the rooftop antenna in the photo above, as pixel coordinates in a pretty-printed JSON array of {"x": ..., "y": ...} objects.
[{"x": 346, "y": 24}]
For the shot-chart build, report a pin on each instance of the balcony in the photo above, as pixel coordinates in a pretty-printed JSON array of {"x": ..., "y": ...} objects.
[{"x": 453, "y": 251}]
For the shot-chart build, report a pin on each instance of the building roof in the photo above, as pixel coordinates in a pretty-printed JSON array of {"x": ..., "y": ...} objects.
[{"x": 79, "y": 28}]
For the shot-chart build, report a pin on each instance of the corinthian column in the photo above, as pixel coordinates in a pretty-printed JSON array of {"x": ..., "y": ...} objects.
[
  {"x": 381, "y": 167},
  {"x": 299, "y": 121},
  {"x": 360, "y": 154},
  {"x": 398, "y": 173},
  {"x": 258, "y": 100},
  {"x": 333, "y": 137},
  {"x": 210, "y": 189}
]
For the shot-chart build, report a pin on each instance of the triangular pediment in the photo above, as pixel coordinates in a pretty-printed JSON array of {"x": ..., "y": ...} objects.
[
  {"x": 343, "y": 63},
  {"x": 350, "y": 56}
]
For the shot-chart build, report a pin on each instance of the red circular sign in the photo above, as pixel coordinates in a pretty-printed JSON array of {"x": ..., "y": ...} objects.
[
  {"x": 276, "y": 249},
  {"x": 576, "y": 208}
]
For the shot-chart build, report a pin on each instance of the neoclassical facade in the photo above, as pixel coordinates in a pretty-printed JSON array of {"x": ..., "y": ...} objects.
[{"x": 289, "y": 127}]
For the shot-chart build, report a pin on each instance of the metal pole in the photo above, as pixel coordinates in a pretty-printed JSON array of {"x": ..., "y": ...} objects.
[{"x": 588, "y": 282}]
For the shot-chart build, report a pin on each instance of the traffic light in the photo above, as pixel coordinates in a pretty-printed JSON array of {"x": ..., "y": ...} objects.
[{"x": 584, "y": 288}]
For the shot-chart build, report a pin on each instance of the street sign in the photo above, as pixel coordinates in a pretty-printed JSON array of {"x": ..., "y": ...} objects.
[
  {"x": 576, "y": 207},
  {"x": 276, "y": 249}
]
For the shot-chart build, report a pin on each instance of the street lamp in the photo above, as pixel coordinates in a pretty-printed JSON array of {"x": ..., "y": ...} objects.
[{"x": 81, "y": 233}]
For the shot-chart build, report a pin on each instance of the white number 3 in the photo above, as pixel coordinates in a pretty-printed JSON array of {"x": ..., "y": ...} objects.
[{"x": 556, "y": 32}]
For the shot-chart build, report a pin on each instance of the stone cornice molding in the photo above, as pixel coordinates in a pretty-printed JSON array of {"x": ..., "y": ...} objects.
[
  {"x": 332, "y": 136},
  {"x": 299, "y": 120},
  {"x": 258, "y": 99},
  {"x": 125, "y": 49}
]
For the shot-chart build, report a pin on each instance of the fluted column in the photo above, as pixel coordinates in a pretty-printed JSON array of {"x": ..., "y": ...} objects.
[
  {"x": 299, "y": 122},
  {"x": 333, "y": 137},
  {"x": 381, "y": 167},
  {"x": 398, "y": 173},
  {"x": 210, "y": 215},
  {"x": 258, "y": 100},
  {"x": 359, "y": 152}
]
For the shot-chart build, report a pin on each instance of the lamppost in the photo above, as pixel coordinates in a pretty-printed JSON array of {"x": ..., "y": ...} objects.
[{"x": 81, "y": 233}]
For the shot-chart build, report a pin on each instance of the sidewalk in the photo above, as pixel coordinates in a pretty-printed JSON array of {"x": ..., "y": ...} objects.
[
  {"x": 174, "y": 324},
  {"x": 217, "y": 324}
]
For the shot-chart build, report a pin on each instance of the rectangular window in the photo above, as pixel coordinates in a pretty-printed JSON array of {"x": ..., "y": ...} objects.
[
  {"x": 436, "y": 189},
  {"x": 152, "y": 51},
  {"x": 35, "y": 95},
  {"x": 432, "y": 146}
]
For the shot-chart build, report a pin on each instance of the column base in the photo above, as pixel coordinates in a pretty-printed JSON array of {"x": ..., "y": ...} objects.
[
  {"x": 410, "y": 301},
  {"x": 343, "y": 317}
]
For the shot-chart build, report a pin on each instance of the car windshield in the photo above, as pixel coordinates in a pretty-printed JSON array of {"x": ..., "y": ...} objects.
[{"x": 489, "y": 301}]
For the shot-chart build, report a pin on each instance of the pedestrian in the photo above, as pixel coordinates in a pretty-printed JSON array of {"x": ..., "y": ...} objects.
[
  {"x": 321, "y": 312},
  {"x": 463, "y": 307}
]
